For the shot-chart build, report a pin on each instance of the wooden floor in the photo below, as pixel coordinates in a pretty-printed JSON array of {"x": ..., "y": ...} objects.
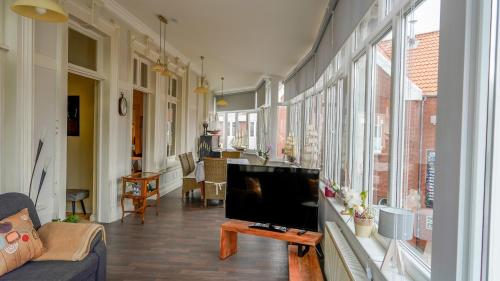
[{"x": 183, "y": 244}]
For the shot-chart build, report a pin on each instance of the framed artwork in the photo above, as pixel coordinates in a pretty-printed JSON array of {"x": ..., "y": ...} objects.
[{"x": 73, "y": 116}]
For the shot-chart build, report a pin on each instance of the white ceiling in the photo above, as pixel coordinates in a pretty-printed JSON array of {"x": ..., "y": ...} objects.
[{"x": 242, "y": 40}]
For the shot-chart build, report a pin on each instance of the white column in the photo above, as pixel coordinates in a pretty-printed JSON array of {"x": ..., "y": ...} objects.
[{"x": 24, "y": 103}]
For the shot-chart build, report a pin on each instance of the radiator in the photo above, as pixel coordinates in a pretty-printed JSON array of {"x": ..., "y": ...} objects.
[{"x": 341, "y": 264}]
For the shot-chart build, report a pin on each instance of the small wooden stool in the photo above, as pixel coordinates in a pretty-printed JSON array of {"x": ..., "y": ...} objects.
[{"x": 74, "y": 195}]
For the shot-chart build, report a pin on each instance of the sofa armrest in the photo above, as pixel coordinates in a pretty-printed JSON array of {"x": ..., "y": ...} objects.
[{"x": 98, "y": 247}]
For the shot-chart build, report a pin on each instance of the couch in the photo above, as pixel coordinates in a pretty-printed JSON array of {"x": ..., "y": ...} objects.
[{"x": 92, "y": 268}]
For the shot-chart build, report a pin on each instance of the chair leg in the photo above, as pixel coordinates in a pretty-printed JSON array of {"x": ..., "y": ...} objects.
[
  {"x": 205, "y": 203},
  {"x": 83, "y": 207},
  {"x": 73, "y": 207},
  {"x": 182, "y": 192}
]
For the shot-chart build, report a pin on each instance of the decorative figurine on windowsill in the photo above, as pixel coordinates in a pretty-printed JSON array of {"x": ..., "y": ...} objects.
[{"x": 205, "y": 128}]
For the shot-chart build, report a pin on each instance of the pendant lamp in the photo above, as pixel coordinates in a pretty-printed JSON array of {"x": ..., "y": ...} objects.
[
  {"x": 158, "y": 66},
  {"x": 202, "y": 89},
  {"x": 222, "y": 102},
  {"x": 44, "y": 10}
]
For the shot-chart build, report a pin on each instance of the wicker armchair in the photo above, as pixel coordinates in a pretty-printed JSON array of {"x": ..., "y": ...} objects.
[
  {"x": 231, "y": 154},
  {"x": 215, "y": 179},
  {"x": 189, "y": 183},
  {"x": 190, "y": 160}
]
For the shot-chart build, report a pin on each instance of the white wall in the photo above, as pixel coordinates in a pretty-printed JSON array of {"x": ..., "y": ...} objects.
[{"x": 22, "y": 123}]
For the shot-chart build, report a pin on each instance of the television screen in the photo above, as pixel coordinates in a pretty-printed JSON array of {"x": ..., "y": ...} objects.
[{"x": 282, "y": 196}]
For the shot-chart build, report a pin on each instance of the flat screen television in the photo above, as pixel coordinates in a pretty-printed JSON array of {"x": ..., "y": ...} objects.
[{"x": 282, "y": 196}]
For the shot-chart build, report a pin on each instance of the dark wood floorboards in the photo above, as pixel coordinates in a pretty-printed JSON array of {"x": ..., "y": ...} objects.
[{"x": 183, "y": 244}]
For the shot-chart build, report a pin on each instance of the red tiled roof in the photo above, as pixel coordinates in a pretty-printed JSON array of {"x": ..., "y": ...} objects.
[{"x": 422, "y": 61}]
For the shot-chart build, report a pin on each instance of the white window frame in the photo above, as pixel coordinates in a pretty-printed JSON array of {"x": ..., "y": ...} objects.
[
  {"x": 137, "y": 70},
  {"x": 97, "y": 74},
  {"x": 227, "y": 128}
]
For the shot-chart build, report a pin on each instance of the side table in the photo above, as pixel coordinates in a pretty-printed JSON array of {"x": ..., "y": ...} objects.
[{"x": 140, "y": 199}]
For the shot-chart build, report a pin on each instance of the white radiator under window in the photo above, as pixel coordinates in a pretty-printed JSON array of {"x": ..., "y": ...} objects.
[{"x": 341, "y": 264}]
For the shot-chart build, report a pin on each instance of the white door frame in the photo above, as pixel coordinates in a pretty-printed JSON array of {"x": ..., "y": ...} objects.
[{"x": 107, "y": 35}]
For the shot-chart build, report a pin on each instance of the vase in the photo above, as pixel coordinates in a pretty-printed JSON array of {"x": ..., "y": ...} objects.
[
  {"x": 363, "y": 227},
  {"x": 329, "y": 193},
  {"x": 265, "y": 161}
]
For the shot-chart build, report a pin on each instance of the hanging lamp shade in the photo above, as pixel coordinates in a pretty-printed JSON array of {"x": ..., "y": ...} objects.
[
  {"x": 222, "y": 102},
  {"x": 201, "y": 89},
  {"x": 44, "y": 10},
  {"x": 157, "y": 67},
  {"x": 166, "y": 72}
]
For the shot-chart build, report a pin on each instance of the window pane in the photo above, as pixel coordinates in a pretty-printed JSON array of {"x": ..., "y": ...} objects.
[
  {"x": 171, "y": 114},
  {"x": 242, "y": 130},
  {"x": 231, "y": 128},
  {"x": 382, "y": 118},
  {"x": 281, "y": 131},
  {"x": 221, "y": 118},
  {"x": 82, "y": 50},
  {"x": 332, "y": 111},
  {"x": 420, "y": 86},
  {"x": 252, "y": 135},
  {"x": 174, "y": 88},
  {"x": 134, "y": 71},
  {"x": 359, "y": 123},
  {"x": 344, "y": 148},
  {"x": 144, "y": 75},
  {"x": 367, "y": 25}
]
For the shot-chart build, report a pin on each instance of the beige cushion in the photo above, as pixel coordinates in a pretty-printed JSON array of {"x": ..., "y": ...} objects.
[{"x": 19, "y": 241}]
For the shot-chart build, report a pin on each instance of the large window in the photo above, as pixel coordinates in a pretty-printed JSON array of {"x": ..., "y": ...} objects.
[
  {"x": 419, "y": 94},
  {"x": 380, "y": 116},
  {"x": 237, "y": 126},
  {"x": 382, "y": 86}
]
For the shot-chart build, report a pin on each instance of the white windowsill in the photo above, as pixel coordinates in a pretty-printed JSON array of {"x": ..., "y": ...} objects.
[{"x": 371, "y": 245}]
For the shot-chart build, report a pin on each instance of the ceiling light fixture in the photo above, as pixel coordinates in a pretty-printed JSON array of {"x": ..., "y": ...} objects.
[
  {"x": 158, "y": 66},
  {"x": 202, "y": 89},
  {"x": 44, "y": 10},
  {"x": 222, "y": 102}
]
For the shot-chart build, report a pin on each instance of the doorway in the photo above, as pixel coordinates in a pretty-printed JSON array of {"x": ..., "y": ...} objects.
[
  {"x": 138, "y": 131},
  {"x": 81, "y": 193}
]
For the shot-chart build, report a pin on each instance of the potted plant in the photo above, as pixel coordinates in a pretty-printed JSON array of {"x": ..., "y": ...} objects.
[
  {"x": 332, "y": 189},
  {"x": 266, "y": 154},
  {"x": 348, "y": 199},
  {"x": 363, "y": 217}
]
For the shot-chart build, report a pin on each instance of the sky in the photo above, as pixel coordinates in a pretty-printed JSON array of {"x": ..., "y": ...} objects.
[{"x": 427, "y": 16}]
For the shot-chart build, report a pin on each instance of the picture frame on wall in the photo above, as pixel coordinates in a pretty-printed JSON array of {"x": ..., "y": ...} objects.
[{"x": 73, "y": 116}]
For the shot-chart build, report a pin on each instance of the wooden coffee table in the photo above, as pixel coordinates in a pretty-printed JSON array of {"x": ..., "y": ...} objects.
[{"x": 140, "y": 200}]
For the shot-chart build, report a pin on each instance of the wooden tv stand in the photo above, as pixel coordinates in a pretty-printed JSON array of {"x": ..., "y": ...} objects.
[{"x": 300, "y": 268}]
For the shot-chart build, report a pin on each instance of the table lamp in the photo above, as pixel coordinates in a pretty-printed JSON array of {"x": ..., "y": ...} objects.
[{"x": 396, "y": 224}]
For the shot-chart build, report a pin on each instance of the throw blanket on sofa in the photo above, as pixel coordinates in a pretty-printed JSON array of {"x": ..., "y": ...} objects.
[{"x": 68, "y": 241}]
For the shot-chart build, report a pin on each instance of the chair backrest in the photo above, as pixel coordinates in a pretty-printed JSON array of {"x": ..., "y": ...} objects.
[
  {"x": 215, "y": 169},
  {"x": 231, "y": 154},
  {"x": 184, "y": 164},
  {"x": 11, "y": 203},
  {"x": 190, "y": 161}
]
